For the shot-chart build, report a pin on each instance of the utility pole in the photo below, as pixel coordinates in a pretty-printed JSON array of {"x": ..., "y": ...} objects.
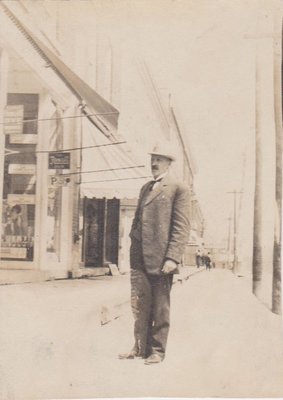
[
  {"x": 228, "y": 241},
  {"x": 264, "y": 143},
  {"x": 277, "y": 47},
  {"x": 235, "y": 258}
]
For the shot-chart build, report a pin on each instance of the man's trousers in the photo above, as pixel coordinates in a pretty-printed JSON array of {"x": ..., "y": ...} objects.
[{"x": 150, "y": 301}]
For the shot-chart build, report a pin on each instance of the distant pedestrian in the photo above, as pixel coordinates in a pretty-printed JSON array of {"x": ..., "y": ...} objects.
[
  {"x": 202, "y": 254},
  {"x": 198, "y": 258},
  {"x": 207, "y": 261}
]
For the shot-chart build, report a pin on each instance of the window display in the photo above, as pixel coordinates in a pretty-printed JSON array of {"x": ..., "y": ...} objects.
[
  {"x": 19, "y": 187},
  {"x": 17, "y": 231}
]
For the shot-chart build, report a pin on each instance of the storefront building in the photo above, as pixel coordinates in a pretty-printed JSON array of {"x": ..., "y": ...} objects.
[
  {"x": 42, "y": 106},
  {"x": 36, "y": 228}
]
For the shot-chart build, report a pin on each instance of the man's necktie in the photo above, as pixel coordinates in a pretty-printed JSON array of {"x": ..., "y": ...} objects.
[{"x": 152, "y": 183}]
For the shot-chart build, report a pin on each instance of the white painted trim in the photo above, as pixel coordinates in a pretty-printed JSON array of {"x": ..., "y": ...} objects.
[
  {"x": 42, "y": 181},
  {"x": 3, "y": 99}
]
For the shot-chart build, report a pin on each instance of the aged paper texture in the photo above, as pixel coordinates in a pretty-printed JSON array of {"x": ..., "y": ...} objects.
[{"x": 92, "y": 94}]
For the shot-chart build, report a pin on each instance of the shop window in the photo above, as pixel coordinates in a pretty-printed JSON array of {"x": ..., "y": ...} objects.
[{"x": 19, "y": 185}]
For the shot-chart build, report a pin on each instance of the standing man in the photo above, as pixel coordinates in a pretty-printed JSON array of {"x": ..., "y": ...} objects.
[{"x": 159, "y": 233}]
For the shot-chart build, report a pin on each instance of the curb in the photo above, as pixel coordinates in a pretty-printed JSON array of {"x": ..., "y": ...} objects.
[{"x": 186, "y": 277}]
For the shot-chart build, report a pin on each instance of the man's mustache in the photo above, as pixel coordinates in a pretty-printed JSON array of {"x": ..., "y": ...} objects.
[{"x": 154, "y": 167}]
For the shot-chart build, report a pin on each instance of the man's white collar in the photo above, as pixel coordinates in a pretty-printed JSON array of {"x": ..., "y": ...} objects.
[{"x": 160, "y": 176}]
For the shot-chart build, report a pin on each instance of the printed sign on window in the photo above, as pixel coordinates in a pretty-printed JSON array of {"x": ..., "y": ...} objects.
[
  {"x": 18, "y": 138},
  {"x": 20, "y": 199},
  {"x": 13, "y": 252},
  {"x": 22, "y": 169},
  {"x": 13, "y": 119}
]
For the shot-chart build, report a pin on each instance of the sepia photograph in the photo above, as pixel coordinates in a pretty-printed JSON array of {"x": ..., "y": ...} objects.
[{"x": 141, "y": 199}]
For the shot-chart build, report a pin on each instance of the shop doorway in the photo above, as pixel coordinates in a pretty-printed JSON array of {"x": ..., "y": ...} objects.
[{"x": 100, "y": 232}]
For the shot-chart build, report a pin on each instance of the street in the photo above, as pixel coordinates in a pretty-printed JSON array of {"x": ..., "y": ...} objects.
[{"x": 223, "y": 342}]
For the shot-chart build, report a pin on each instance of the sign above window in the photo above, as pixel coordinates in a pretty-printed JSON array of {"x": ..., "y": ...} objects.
[{"x": 59, "y": 160}]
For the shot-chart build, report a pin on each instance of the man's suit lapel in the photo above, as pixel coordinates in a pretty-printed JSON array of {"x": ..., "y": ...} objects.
[{"x": 156, "y": 192}]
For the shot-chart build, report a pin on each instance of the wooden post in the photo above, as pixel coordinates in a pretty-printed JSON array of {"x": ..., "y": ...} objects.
[
  {"x": 235, "y": 261},
  {"x": 257, "y": 229},
  {"x": 235, "y": 258},
  {"x": 104, "y": 232},
  {"x": 228, "y": 242},
  {"x": 264, "y": 195},
  {"x": 276, "y": 283}
]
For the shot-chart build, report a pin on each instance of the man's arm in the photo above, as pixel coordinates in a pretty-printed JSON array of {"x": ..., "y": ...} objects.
[{"x": 180, "y": 225}]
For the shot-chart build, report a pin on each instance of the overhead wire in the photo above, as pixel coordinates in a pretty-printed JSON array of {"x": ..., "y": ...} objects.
[
  {"x": 118, "y": 179},
  {"x": 115, "y": 155},
  {"x": 11, "y": 152},
  {"x": 25, "y": 121},
  {"x": 100, "y": 170}
]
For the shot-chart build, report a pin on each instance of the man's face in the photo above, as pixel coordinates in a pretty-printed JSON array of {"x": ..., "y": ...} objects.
[{"x": 159, "y": 165}]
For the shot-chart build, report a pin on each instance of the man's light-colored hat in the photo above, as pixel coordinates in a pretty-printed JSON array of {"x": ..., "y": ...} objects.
[{"x": 165, "y": 150}]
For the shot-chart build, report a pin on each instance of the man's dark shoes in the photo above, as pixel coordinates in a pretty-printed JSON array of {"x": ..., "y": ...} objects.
[
  {"x": 130, "y": 355},
  {"x": 154, "y": 359}
]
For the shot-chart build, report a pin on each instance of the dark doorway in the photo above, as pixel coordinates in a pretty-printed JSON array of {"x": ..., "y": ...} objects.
[{"x": 101, "y": 232}]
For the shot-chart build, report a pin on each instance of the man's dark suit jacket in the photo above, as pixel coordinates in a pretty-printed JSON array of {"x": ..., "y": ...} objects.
[{"x": 162, "y": 223}]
